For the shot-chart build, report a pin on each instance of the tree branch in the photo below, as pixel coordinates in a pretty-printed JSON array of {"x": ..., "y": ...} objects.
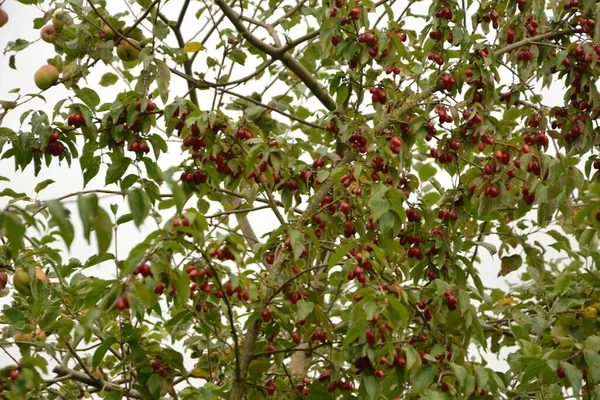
[
  {"x": 229, "y": 313},
  {"x": 187, "y": 64},
  {"x": 182, "y": 14},
  {"x": 532, "y": 39},
  {"x": 288, "y": 14},
  {"x": 280, "y": 53},
  {"x": 280, "y": 204},
  {"x": 80, "y": 362},
  {"x": 301, "y": 39},
  {"x": 238, "y": 211},
  {"x": 83, "y": 378},
  {"x": 258, "y": 103},
  {"x": 245, "y": 79},
  {"x": 244, "y": 224}
]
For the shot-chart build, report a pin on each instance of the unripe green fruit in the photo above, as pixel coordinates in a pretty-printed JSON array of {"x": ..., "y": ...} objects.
[
  {"x": 21, "y": 281},
  {"x": 126, "y": 51},
  {"x": 60, "y": 19},
  {"x": 46, "y": 76}
]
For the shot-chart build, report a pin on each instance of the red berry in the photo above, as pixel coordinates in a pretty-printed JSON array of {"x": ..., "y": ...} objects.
[
  {"x": 427, "y": 314},
  {"x": 265, "y": 315},
  {"x": 371, "y": 337},
  {"x": 122, "y": 303},
  {"x": 76, "y": 120},
  {"x": 159, "y": 288},
  {"x": 14, "y": 374},
  {"x": 332, "y": 386}
]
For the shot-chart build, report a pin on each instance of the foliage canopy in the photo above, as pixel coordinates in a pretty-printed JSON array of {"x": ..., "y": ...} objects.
[{"x": 388, "y": 156}]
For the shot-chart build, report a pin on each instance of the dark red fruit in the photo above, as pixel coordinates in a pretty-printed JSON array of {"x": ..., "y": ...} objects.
[
  {"x": 265, "y": 315},
  {"x": 76, "y": 120},
  {"x": 122, "y": 303},
  {"x": 159, "y": 288},
  {"x": 371, "y": 337}
]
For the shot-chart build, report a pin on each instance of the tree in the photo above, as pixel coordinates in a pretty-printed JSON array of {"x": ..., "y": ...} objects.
[{"x": 387, "y": 148}]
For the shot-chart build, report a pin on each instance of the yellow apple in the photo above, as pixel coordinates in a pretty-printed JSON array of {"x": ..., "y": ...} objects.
[
  {"x": 108, "y": 31},
  {"x": 22, "y": 280},
  {"x": 46, "y": 76},
  {"x": 22, "y": 337},
  {"x": 60, "y": 19},
  {"x": 39, "y": 335}
]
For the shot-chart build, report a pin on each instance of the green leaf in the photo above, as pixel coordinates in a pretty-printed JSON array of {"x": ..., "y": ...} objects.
[
  {"x": 160, "y": 30},
  {"x": 592, "y": 360},
  {"x": 424, "y": 378},
  {"x": 297, "y": 240},
  {"x": 103, "y": 227},
  {"x": 304, "y": 310},
  {"x": 372, "y": 385},
  {"x": 123, "y": 219},
  {"x": 154, "y": 382},
  {"x": 113, "y": 396},
  {"x": 413, "y": 360},
  {"x": 182, "y": 285},
  {"x": 43, "y": 185},
  {"x": 574, "y": 376},
  {"x": 88, "y": 208},
  {"x": 433, "y": 395},
  {"x": 178, "y": 195},
  {"x": 89, "y": 97},
  {"x": 488, "y": 246},
  {"x": 60, "y": 216},
  {"x": 8, "y": 192},
  {"x": 510, "y": 264},
  {"x": 92, "y": 170},
  {"x": 238, "y": 56},
  {"x": 460, "y": 372},
  {"x": 562, "y": 282},
  {"x": 139, "y": 203},
  {"x": 340, "y": 253},
  {"x": 487, "y": 204},
  {"x": 426, "y": 171},
  {"x": 163, "y": 80},
  {"x": 14, "y": 230},
  {"x": 39, "y": 290},
  {"x": 378, "y": 206},
  {"x": 101, "y": 351},
  {"x": 342, "y": 94},
  {"x": 116, "y": 169},
  {"x": 8, "y": 133},
  {"x": 108, "y": 79},
  {"x": 355, "y": 329}
]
